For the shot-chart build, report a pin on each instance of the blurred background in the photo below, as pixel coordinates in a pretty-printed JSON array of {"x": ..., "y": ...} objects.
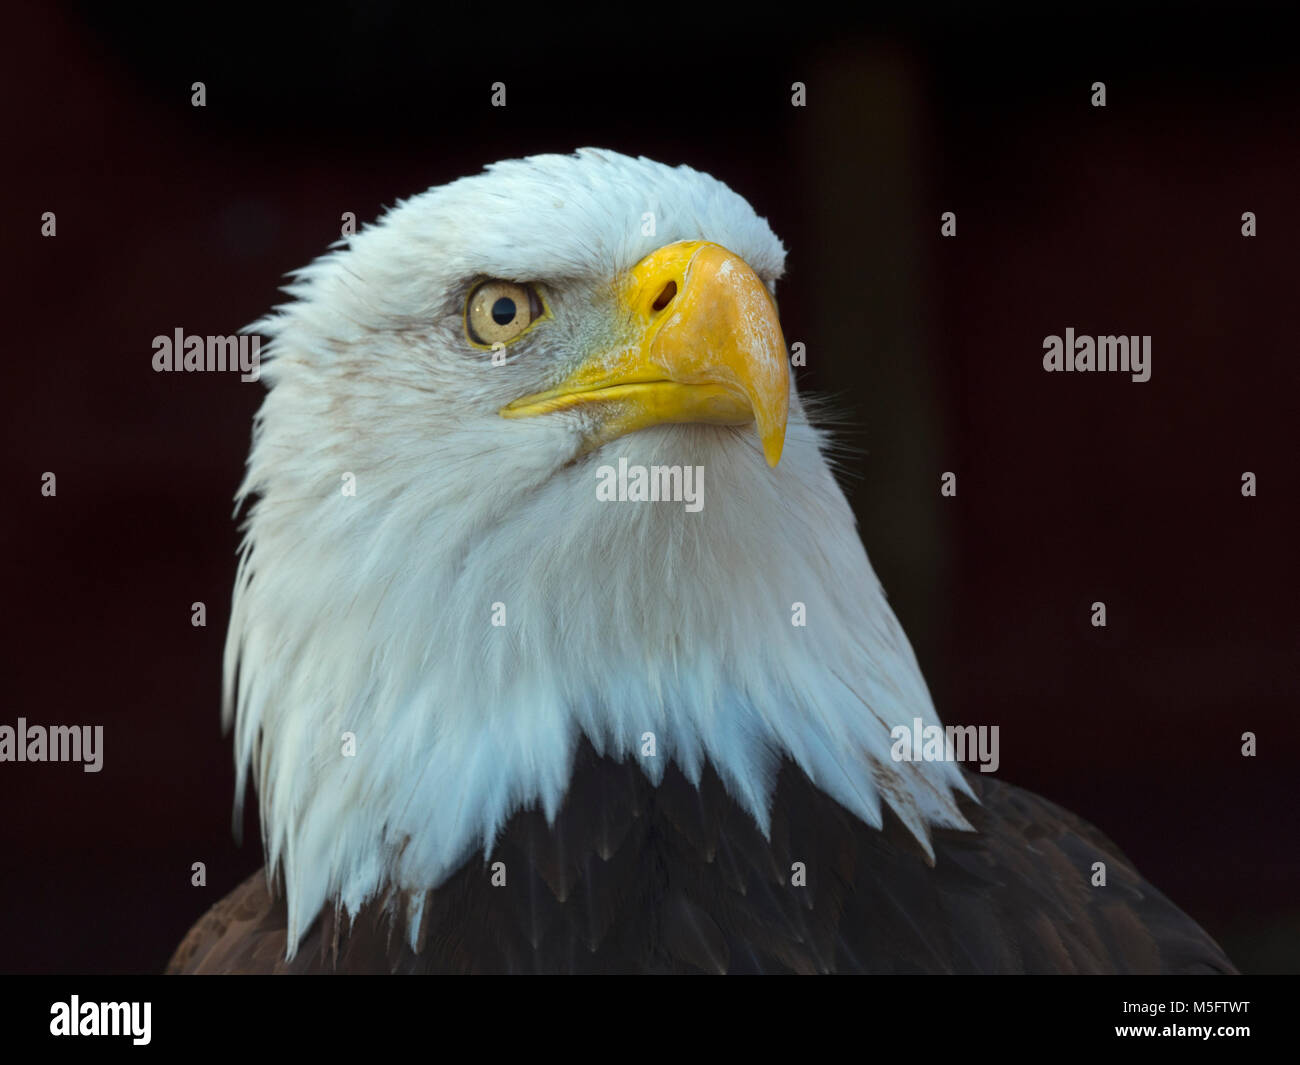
[{"x": 1071, "y": 488}]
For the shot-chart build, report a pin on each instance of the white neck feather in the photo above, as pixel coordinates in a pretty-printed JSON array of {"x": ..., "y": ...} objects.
[{"x": 375, "y": 618}]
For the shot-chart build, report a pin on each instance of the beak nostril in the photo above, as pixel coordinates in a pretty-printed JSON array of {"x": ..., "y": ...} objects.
[{"x": 665, "y": 297}]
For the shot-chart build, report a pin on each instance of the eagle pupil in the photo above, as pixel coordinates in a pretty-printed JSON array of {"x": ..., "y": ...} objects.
[{"x": 503, "y": 311}]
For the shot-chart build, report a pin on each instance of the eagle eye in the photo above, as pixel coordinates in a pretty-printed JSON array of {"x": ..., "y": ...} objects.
[{"x": 498, "y": 312}]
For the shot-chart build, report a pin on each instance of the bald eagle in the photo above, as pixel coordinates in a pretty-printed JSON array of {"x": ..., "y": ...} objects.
[{"x": 502, "y": 720}]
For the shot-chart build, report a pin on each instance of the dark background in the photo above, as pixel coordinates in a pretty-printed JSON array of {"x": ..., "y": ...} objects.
[{"x": 1072, "y": 488}]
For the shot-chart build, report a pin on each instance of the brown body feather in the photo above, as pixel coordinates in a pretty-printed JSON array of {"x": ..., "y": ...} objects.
[{"x": 633, "y": 878}]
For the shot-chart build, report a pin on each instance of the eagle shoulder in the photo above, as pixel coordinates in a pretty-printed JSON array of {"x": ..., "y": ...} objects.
[{"x": 633, "y": 877}]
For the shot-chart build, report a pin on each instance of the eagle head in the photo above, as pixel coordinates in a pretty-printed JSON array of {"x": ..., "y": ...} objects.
[{"x": 444, "y": 584}]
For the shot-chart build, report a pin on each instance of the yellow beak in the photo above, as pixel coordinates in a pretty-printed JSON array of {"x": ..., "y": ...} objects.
[{"x": 704, "y": 345}]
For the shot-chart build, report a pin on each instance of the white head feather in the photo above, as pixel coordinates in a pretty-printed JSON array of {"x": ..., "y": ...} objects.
[{"x": 371, "y": 613}]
